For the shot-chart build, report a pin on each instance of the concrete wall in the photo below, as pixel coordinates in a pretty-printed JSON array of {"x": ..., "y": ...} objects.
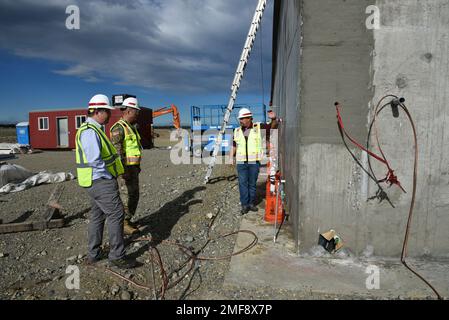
[
  {"x": 285, "y": 100},
  {"x": 411, "y": 59},
  {"x": 342, "y": 60}
]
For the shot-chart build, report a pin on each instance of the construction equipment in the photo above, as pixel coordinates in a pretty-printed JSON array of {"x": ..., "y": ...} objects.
[
  {"x": 205, "y": 125},
  {"x": 166, "y": 110},
  {"x": 237, "y": 80},
  {"x": 274, "y": 196},
  {"x": 176, "y": 119}
]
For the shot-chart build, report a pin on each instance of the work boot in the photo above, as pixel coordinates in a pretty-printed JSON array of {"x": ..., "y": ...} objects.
[
  {"x": 244, "y": 210},
  {"x": 88, "y": 260},
  {"x": 128, "y": 229},
  {"x": 253, "y": 208},
  {"x": 124, "y": 263},
  {"x": 91, "y": 261}
]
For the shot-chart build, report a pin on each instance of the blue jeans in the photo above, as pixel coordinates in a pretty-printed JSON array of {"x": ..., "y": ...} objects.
[{"x": 248, "y": 174}]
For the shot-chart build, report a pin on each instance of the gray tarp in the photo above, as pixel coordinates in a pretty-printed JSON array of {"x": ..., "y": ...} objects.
[{"x": 15, "y": 178}]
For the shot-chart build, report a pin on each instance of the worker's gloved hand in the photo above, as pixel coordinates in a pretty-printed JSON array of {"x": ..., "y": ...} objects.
[{"x": 271, "y": 114}]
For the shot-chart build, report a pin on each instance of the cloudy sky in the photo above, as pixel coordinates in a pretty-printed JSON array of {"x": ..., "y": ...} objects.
[{"x": 164, "y": 51}]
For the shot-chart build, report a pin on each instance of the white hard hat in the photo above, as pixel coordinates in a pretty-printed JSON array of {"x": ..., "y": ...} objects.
[
  {"x": 245, "y": 113},
  {"x": 100, "y": 101},
  {"x": 131, "y": 103}
]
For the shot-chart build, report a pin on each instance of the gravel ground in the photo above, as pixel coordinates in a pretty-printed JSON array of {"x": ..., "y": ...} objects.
[{"x": 175, "y": 205}]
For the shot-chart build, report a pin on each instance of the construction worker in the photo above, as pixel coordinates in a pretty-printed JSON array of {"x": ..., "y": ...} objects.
[
  {"x": 126, "y": 140},
  {"x": 98, "y": 167},
  {"x": 247, "y": 149}
]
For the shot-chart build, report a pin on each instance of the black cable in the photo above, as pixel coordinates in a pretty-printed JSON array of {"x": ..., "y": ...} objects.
[
  {"x": 368, "y": 141},
  {"x": 381, "y": 193},
  {"x": 352, "y": 154}
]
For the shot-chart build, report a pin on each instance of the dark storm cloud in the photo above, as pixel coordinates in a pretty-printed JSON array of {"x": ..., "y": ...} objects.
[{"x": 183, "y": 45}]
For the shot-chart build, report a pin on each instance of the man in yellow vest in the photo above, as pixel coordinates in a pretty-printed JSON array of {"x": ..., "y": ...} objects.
[
  {"x": 98, "y": 167},
  {"x": 248, "y": 151},
  {"x": 126, "y": 140}
]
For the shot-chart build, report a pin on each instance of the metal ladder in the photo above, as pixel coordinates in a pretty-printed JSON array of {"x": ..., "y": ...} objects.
[{"x": 237, "y": 80}]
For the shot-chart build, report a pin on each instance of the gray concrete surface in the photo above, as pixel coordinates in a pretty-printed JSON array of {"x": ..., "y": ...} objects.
[
  {"x": 318, "y": 276},
  {"x": 340, "y": 59},
  {"x": 286, "y": 96},
  {"x": 335, "y": 65}
]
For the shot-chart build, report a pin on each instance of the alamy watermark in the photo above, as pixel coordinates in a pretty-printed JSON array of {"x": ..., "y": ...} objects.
[
  {"x": 72, "y": 22},
  {"x": 373, "y": 280},
  {"x": 72, "y": 282},
  {"x": 373, "y": 20}
]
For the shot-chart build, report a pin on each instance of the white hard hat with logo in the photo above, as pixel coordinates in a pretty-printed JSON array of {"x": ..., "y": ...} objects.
[
  {"x": 131, "y": 103},
  {"x": 100, "y": 101},
  {"x": 245, "y": 113}
]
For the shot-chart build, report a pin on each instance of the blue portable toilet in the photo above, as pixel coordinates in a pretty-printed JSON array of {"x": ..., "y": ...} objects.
[{"x": 23, "y": 133}]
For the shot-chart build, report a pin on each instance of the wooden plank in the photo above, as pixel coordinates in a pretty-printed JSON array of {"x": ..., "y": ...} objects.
[
  {"x": 31, "y": 226},
  {"x": 46, "y": 222},
  {"x": 52, "y": 203}
]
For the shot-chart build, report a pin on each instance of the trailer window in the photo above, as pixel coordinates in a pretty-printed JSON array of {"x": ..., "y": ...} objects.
[
  {"x": 43, "y": 123},
  {"x": 79, "y": 121}
]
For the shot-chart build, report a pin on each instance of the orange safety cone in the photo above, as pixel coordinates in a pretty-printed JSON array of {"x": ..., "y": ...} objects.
[{"x": 271, "y": 201}]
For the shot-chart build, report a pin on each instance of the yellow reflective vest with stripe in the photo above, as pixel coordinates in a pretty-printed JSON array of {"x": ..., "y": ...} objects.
[
  {"x": 108, "y": 155},
  {"x": 251, "y": 151},
  {"x": 131, "y": 143}
]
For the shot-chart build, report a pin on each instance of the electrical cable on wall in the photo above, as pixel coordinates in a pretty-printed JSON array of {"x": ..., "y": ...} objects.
[{"x": 390, "y": 177}]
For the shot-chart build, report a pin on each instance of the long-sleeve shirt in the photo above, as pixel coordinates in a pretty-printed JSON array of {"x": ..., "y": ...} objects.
[
  {"x": 91, "y": 145},
  {"x": 117, "y": 139}
]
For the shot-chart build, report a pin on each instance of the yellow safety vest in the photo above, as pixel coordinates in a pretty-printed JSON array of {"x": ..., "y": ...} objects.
[
  {"x": 131, "y": 143},
  {"x": 252, "y": 151},
  {"x": 108, "y": 154}
]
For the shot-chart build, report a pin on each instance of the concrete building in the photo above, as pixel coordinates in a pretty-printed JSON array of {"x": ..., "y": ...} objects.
[{"x": 326, "y": 51}]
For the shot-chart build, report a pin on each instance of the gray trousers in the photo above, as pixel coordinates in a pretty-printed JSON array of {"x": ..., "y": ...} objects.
[{"x": 106, "y": 204}]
